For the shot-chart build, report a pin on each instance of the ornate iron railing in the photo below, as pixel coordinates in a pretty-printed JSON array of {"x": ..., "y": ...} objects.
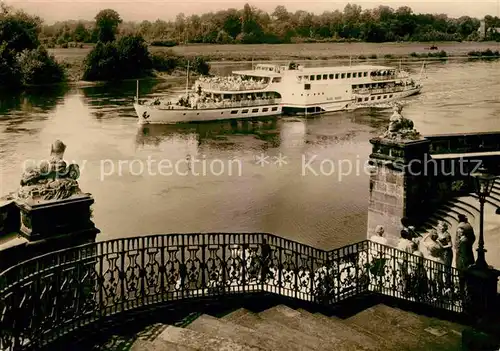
[{"x": 51, "y": 295}]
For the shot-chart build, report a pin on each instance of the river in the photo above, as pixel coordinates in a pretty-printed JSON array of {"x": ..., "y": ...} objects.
[{"x": 324, "y": 209}]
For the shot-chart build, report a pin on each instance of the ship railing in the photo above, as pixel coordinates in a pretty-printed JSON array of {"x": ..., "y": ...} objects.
[
  {"x": 379, "y": 90},
  {"x": 233, "y": 86}
]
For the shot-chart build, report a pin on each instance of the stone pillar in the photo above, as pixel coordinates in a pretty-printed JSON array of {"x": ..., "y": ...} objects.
[
  {"x": 398, "y": 178},
  {"x": 397, "y": 184},
  {"x": 481, "y": 301}
]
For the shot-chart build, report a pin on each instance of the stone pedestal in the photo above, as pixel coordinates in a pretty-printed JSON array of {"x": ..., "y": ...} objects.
[
  {"x": 49, "y": 226},
  {"x": 397, "y": 183},
  {"x": 54, "y": 218}
]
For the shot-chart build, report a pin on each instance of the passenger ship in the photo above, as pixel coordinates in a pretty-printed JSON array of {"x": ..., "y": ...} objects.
[
  {"x": 271, "y": 89},
  {"x": 326, "y": 89},
  {"x": 245, "y": 94}
]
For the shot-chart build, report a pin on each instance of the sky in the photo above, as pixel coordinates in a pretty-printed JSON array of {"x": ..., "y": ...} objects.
[{"x": 138, "y": 10}]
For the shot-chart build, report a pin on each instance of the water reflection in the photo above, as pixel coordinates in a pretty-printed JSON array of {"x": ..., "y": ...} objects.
[
  {"x": 223, "y": 133},
  {"x": 33, "y": 100}
]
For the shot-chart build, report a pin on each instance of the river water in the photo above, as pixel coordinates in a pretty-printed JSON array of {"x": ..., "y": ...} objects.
[{"x": 324, "y": 205}]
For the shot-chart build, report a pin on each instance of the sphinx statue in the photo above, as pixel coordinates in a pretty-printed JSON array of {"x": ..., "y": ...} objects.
[
  {"x": 52, "y": 179},
  {"x": 400, "y": 128}
]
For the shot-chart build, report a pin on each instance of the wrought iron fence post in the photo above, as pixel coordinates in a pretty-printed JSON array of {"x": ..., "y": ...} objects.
[
  {"x": 224, "y": 264},
  {"x": 162, "y": 269},
  {"x": 142, "y": 270},
  {"x": 182, "y": 267},
  {"x": 244, "y": 263},
  {"x": 203, "y": 265},
  {"x": 280, "y": 268},
  {"x": 121, "y": 273},
  {"x": 326, "y": 282}
]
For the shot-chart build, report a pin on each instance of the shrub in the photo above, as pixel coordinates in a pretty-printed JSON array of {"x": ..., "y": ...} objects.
[
  {"x": 101, "y": 63},
  {"x": 64, "y": 45},
  {"x": 165, "y": 61},
  {"x": 125, "y": 58},
  {"x": 164, "y": 43},
  {"x": 361, "y": 57},
  {"x": 38, "y": 67},
  {"x": 389, "y": 56},
  {"x": 10, "y": 75},
  {"x": 133, "y": 56},
  {"x": 200, "y": 65},
  {"x": 413, "y": 54},
  {"x": 372, "y": 56}
]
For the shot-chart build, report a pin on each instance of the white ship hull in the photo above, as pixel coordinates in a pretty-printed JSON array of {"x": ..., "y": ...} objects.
[
  {"x": 349, "y": 104},
  {"x": 154, "y": 115}
]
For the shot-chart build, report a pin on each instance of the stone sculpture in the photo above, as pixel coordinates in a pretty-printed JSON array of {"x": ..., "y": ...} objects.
[
  {"x": 401, "y": 128},
  {"x": 52, "y": 179}
]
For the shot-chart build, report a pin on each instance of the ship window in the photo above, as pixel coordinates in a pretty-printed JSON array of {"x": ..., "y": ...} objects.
[
  {"x": 318, "y": 77},
  {"x": 336, "y": 76},
  {"x": 255, "y": 110},
  {"x": 307, "y": 86},
  {"x": 331, "y": 76},
  {"x": 365, "y": 74},
  {"x": 343, "y": 75},
  {"x": 354, "y": 75},
  {"x": 244, "y": 111},
  {"x": 325, "y": 76},
  {"x": 390, "y": 96},
  {"x": 311, "y": 77},
  {"x": 198, "y": 114},
  {"x": 233, "y": 112},
  {"x": 274, "y": 109},
  {"x": 385, "y": 96},
  {"x": 265, "y": 109},
  {"x": 366, "y": 99},
  {"x": 372, "y": 98},
  {"x": 221, "y": 113},
  {"x": 378, "y": 97},
  {"x": 360, "y": 99},
  {"x": 277, "y": 80},
  {"x": 360, "y": 74},
  {"x": 348, "y": 75}
]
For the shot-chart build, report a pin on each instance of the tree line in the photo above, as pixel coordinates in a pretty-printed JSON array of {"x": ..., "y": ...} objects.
[
  {"x": 252, "y": 25},
  {"x": 24, "y": 60}
]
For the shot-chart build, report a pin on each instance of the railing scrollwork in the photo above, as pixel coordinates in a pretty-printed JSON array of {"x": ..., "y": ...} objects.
[{"x": 51, "y": 295}]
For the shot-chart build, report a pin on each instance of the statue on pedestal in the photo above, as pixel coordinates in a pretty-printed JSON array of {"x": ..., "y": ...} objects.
[
  {"x": 52, "y": 179},
  {"x": 400, "y": 128}
]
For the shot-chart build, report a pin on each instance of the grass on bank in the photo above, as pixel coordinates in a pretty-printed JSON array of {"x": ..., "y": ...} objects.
[{"x": 167, "y": 61}]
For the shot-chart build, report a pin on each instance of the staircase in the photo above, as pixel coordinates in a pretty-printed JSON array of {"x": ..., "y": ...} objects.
[
  {"x": 281, "y": 328},
  {"x": 469, "y": 206}
]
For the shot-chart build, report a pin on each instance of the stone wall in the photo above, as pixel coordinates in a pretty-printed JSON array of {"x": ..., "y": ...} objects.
[{"x": 413, "y": 178}]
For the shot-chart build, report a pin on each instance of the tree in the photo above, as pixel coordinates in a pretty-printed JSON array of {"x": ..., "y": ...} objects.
[
  {"x": 80, "y": 34},
  {"x": 106, "y": 22},
  {"x": 18, "y": 30}
]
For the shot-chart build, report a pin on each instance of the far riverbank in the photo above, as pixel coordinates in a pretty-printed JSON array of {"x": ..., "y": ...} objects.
[{"x": 366, "y": 52}]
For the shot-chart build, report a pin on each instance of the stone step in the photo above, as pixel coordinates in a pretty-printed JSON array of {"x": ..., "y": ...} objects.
[
  {"x": 445, "y": 335},
  {"x": 392, "y": 336},
  {"x": 240, "y": 334},
  {"x": 457, "y": 206},
  {"x": 200, "y": 341},
  {"x": 233, "y": 316},
  {"x": 159, "y": 345},
  {"x": 294, "y": 339},
  {"x": 346, "y": 332},
  {"x": 310, "y": 325},
  {"x": 408, "y": 331}
]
